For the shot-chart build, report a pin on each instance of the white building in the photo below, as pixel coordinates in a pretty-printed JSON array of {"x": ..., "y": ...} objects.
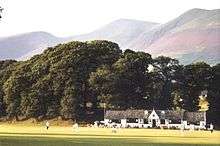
[{"x": 155, "y": 118}]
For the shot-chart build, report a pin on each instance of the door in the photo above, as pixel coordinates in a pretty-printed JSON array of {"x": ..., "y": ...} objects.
[{"x": 154, "y": 123}]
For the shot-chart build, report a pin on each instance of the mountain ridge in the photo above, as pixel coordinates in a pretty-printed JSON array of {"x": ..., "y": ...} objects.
[
  {"x": 169, "y": 35},
  {"x": 186, "y": 37}
]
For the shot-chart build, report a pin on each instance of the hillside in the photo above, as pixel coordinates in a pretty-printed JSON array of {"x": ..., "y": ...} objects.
[
  {"x": 26, "y": 45},
  {"x": 121, "y": 31},
  {"x": 193, "y": 36}
]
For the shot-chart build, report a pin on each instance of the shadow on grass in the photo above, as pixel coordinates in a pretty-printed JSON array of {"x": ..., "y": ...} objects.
[{"x": 46, "y": 141}]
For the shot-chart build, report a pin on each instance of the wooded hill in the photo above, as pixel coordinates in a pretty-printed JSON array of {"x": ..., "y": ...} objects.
[{"x": 73, "y": 81}]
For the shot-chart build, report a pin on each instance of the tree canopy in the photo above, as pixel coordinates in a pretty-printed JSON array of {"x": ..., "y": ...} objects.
[{"x": 74, "y": 81}]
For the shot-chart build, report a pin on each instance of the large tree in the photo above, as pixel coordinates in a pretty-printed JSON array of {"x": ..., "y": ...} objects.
[
  {"x": 214, "y": 96},
  {"x": 6, "y": 68},
  {"x": 162, "y": 77},
  {"x": 197, "y": 77},
  {"x": 124, "y": 84}
]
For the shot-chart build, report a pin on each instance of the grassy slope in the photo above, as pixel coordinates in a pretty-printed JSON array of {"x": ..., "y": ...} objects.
[{"x": 17, "y": 135}]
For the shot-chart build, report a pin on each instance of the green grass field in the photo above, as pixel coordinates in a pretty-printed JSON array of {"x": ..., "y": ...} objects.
[{"x": 20, "y": 135}]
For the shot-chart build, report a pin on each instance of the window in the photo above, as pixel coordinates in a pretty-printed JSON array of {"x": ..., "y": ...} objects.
[
  {"x": 145, "y": 121},
  {"x": 175, "y": 121},
  {"x": 162, "y": 121},
  {"x": 130, "y": 120},
  {"x": 115, "y": 121}
]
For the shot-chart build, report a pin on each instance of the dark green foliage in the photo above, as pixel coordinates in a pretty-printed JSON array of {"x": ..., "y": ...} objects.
[
  {"x": 6, "y": 68},
  {"x": 197, "y": 78},
  {"x": 124, "y": 84},
  {"x": 214, "y": 96},
  {"x": 164, "y": 74},
  {"x": 54, "y": 83},
  {"x": 73, "y": 81}
]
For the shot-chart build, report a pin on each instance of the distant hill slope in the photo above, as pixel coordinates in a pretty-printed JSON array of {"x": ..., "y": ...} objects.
[
  {"x": 121, "y": 31},
  {"x": 193, "y": 36},
  {"x": 27, "y": 44},
  {"x": 24, "y": 46}
]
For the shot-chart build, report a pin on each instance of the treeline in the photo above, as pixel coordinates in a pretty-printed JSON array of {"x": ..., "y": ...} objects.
[{"x": 75, "y": 80}]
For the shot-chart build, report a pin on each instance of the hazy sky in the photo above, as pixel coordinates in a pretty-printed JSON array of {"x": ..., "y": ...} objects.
[{"x": 71, "y": 17}]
